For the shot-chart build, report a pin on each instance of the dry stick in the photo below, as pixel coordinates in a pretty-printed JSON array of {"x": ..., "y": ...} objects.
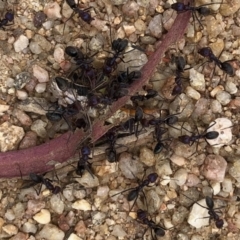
[{"x": 38, "y": 159}]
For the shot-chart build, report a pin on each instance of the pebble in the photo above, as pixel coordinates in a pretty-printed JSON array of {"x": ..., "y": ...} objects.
[
  {"x": 224, "y": 127},
  {"x": 234, "y": 170},
  {"x": 9, "y": 215},
  {"x": 216, "y": 187},
  {"x": 180, "y": 176},
  {"x": 35, "y": 48},
  {"x": 223, "y": 97},
  {"x": 73, "y": 236},
  {"x": 216, "y": 106},
  {"x": 147, "y": 156},
  {"x": 163, "y": 168},
  {"x": 58, "y": 54},
  {"x": 42, "y": 42},
  {"x": 39, "y": 18},
  {"x": 43, "y": 217},
  {"x": 231, "y": 87},
  {"x": 197, "y": 216},
  {"x": 57, "y": 204},
  {"x": 87, "y": 180},
  {"x": 34, "y": 206},
  {"x": 80, "y": 228},
  {"x": 216, "y": 27},
  {"x": 106, "y": 168},
  {"x": 155, "y": 26},
  {"x": 192, "y": 93},
  {"x": 40, "y": 87},
  {"x": 3, "y": 108},
  {"x": 19, "y": 236},
  {"x": 79, "y": 193},
  {"x": 29, "y": 140},
  {"x": 21, "y": 95},
  {"x": 52, "y": 10},
  {"x": 153, "y": 201},
  {"x": 179, "y": 161},
  {"x": 40, "y": 73},
  {"x": 38, "y": 127},
  {"x": 118, "y": 231},
  {"x": 82, "y": 205},
  {"x": 230, "y": 9},
  {"x": 197, "y": 80},
  {"x": 227, "y": 185},
  {"x": 10, "y": 136},
  {"x": 217, "y": 89},
  {"x": 68, "y": 193},
  {"x": 102, "y": 191},
  {"x": 22, "y": 117},
  {"x": 29, "y": 227},
  {"x": 50, "y": 232},
  {"x": 214, "y": 168},
  {"x": 21, "y": 43},
  {"x": 192, "y": 180},
  {"x": 10, "y": 229},
  {"x": 129, "y": 167},
  {"x": 21, "y": 80}
]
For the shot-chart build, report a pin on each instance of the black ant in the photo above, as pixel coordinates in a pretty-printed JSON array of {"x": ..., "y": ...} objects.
[
  {"x": 134, "y": 192},
  {"x": 159, "y": 231},
  {"x": 225, "y": 66},
  {"x": 9, "y": 17},
  {"x": 44, "y": 181},
  {"x": 211, "y": 211},
  {"x": 83, "y": 14},
  {"x": 111, "y": 138},
  {"x": 83, "y": 163},
  {"x": 201, "y": 10}
]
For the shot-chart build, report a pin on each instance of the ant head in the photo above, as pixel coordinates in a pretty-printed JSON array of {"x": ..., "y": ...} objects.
[
  {"x": 205, "y": 52},
  {"x": 152, "y": 177},
  {"x": 179, "y": 7},
  {"x": 141, "y": 214},
  {"x": 85, "y": 150},
  {"x": 219, "y": 223},
  {"x": 180, "y": 63}
]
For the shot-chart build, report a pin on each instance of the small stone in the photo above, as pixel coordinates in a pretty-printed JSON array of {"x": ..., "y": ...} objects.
[
  {"x": 82, "y": 205},
  {"x": 21, "y": 43},
  {"x": 38, "y": 127},
  {"x": 22, "y": 79},
  {"x": 30, "y": 86},
  {"x": 80, "y": 228},
  {"x": 216, "y": 27},
  {"x": 41, "y": 87},
  {"x": 223, "y": 97},
  {"x": 102, "y": 191},
  {"x": 29, "y": 227},
  {"x": 34, "y": 206},
  {"x": 216, "y": 90},
  {"x": 21, "y": 95},
  {"x": 192, "y": 93},
  {"x": 147, "y": 156},
  {"x": 192, "y": 180},
  {"x": 129, "y": 29},
  {"x": 10, "y": 136},
  {"x": 197, "y": 80},
  {"x": 79, "y": 193},
  {"x": 57, "y": 204},
  {"x": 39, "y": 18},
  {"x": 50, "y": 232},
  {"x": 118, "y": 231},
  {"x": 3, "y": 108},
  {"x": 153, "y": 201},
  {"x": 52, "y": 10},
  {"x": 105, "y": 168},
  {"x": 87, "y": 180},
  {"x": 224, "y": 128},
  {"x": 230, "y": 9},
  {"x": 35, "y": 48},
  {"x": 214, "y": 168},
  {"x": 140, "y": 25},
  {"x": 130, "y": 8},
  {"x": 22, "y": 117},
  {"x": 19, "y": 236},
  {"x": 10, "y": 229},
  {"x": 155, "y": 26},
  {"x": 58, "y": 55},
  {"x": 9, "y": 215},
  {"x": 178, "y": 160},
  {"x": 43, "y": 217},
  {"x": 180, "y": 176},
  {"x": 198, "y": 215},
  {"x": 29, "y": 140},
  {"x": 68, "y": 193},
  {"x": 216, "y": 106},
  {"x": 73, "y": 236},
  {"x": 40, "y": 73},
  {"x": 163, "y": 168},
  {"x": 227, "y": 185},
  {"x": 231, "y": 87}
]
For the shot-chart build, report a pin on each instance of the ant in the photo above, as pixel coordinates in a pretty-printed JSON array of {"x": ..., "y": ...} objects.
[
  {"x": 83, "y": 163},
  {"x": 201, "y": 10},
  {"x": 83, "y": 14},
  {"x": 111, "y": 138},
  {"x": 44, "y": 181},
  {"x": 211, "y": 211},
  {"x": 158, "y": 230},
  {"x": 9, "y": 17},
  {"x": 134, "y": 192},
  {"x": 225, "y": 66}
]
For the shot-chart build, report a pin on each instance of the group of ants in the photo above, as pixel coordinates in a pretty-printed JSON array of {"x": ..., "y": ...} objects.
[{"x": 88, "y": 82}]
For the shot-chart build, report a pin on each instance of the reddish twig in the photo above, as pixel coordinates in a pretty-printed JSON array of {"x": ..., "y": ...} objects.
[{"x": 41, "y": 158}]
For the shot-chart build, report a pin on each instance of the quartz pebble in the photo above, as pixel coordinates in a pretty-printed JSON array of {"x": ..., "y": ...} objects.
[
  {"x": 224, "y": 127},
  {"x": 229, "y": 9},
  {"x": 231, "y": 87},
  {"x": 22, "y": 117},
  {"x": 10, "y": 229},
  {"x": 155, "y": 26},
  {"x": 40, "y": 73},
  {"x": 214, "y": 168},
  {"x": 118, "y": 231},
  {"x": 43, "y": 217},
  {"x": 52, "y": 10},
  {"x": 178, "y": 160},
  {"x": 192, "y": 93},
  {"x": 82, "y": 205},
  {"x": 10, "y": 136},
  {"x": 234, "y": 170},
  {"x": 73, "y": 236},
  {"x": 21, "y": 95},
  {"x": 58, "y": 55},
  {"x": 147, "y": 157},
  {"x": 180, "y": 176},
  {"x": 3, "y": 108},
  {"x": 50, "y": 232},
  {"x": 38, "y": 127},
  {"x": 34, "y": 206},
  {"x": 21, "y": 43},
  {"x": 197, "y": 80},
  {"x": 87, "y": 180},
  {"x": 223, "y": 97},
  {"x": 22, "y": 79},
  {"x": 163, "y": 168},
  {"x": 197, "y": 217},
  {"x": 29, "y": 227},
  {"x": 227, "y": 185},
  {"x": 41, "y": 87},
  {"x": 57, "y": 204}
]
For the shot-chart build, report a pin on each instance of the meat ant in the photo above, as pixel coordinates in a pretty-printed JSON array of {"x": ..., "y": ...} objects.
[
  {"x": 9, "y": 17},
  {"x": 134, "y": 192},
  {"x": 159, "y": 231},
  {"x": 201, "y": 10},
  {"x": 83, "y": 14},
  {"x": 213, "y": 215},
  {"x": 44, "y": 181},
  {"x": 225, "y": 66}
]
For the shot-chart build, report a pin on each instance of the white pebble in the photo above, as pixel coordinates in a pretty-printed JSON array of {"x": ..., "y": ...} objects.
[
  {"x": 10, "y": 229},
  {"x": 52, "y": 10},
  {"x": 197, "y": 80},
  {"x": 56, "y": 204},
  {"x": 29, "y": 227},
  {"x": 216, "y": 187},
  {"x": 227, "y": 185},
  {"x": 50, "y": 232},
  {"x": 180, "y": 176},
  {"x": 9, "y": 215},
  {"x": 192, "y": 93},
  {"x": 21, "y": 95},
  {"x": 223, "y": 97},
  {"x": 231, "y": 87},
  {"x": 118, "y": 231},
  {"x": 42, "y": 217},
  {"x": 40, "y": 73},
  {"x": 197, "y": 217},
  {"x": 21, "y": 43},
  {"x": 82, "y": 205},
  {"x": 40, "y": 87},
  {"x": 58, "y": 55},
  {"x": 3, "y": 108},
  {"x": 73, "y": 236},
  {"x": 224, "y": 127}
]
